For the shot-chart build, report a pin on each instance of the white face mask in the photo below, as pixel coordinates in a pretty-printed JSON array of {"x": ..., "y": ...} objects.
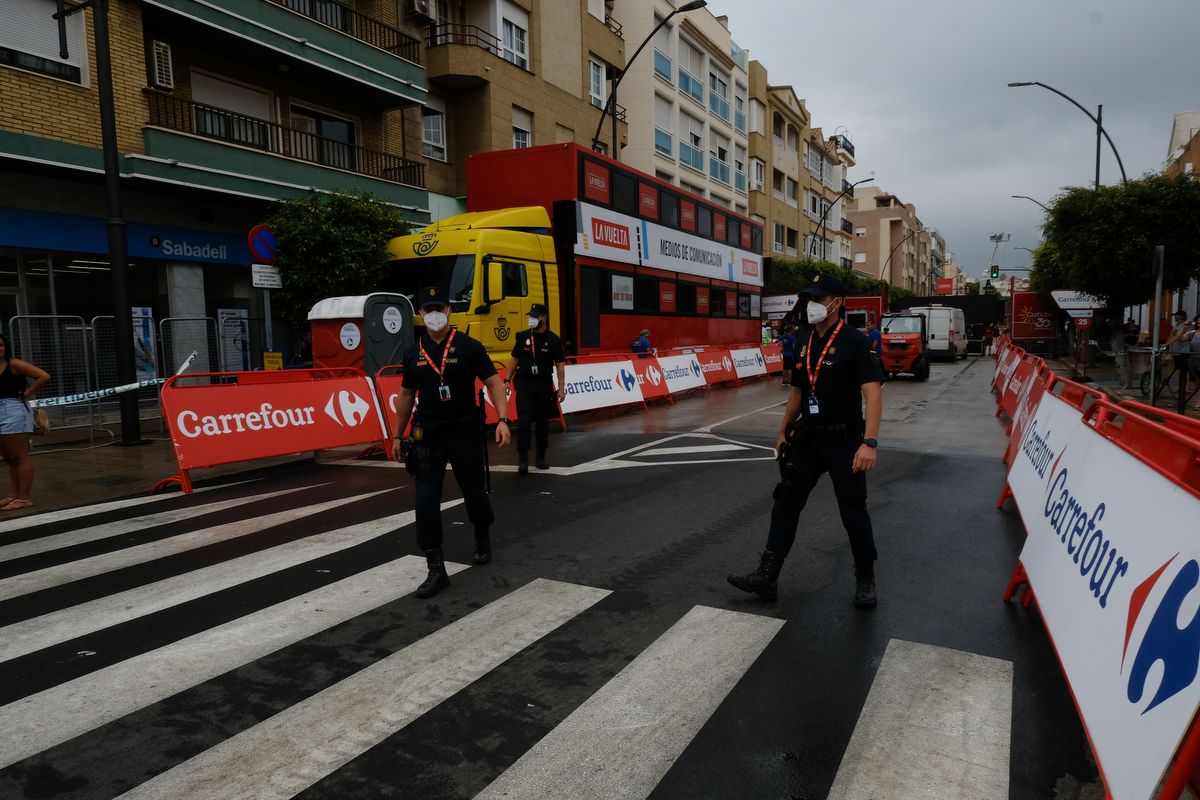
[
  {"x": 534, "y": 322},
  {"x": 435, "y": 321},
  {"x": 816, "y": 312}
]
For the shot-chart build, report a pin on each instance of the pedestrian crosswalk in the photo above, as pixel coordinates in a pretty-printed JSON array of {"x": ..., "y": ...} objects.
[{"x": 941, "y": 713}]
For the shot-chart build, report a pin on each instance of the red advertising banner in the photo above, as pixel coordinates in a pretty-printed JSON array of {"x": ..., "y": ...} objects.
[
  {"x": 263, "y": 414},
  {"x": 773, "y": 355},
  {"x": 388, "y": 382},
  {"x": 945, "y": 286},
  {"x": 717, "y": 366},
  {"x": 650, "y": 378},
  {"x": 1030, "y": 319}
]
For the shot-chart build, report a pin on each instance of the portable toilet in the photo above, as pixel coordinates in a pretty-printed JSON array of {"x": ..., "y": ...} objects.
[{"x": 367, "y": 332}]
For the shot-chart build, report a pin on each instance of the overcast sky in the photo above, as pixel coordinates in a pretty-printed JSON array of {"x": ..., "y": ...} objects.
[{"x": 921, "y": 89}]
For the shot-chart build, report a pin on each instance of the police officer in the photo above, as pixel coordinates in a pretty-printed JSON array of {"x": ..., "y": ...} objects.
[
  {"x": 536, "y": 355},
  {"x": 824, "y": 430},
  {"x": 440, "y": 370}
]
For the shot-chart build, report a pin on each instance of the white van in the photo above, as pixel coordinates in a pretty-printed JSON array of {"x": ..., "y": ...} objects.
[{"x": 947, "y": 331}]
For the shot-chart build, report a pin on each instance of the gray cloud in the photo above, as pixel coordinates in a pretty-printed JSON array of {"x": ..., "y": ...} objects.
[{"x": 921, "y": 87}]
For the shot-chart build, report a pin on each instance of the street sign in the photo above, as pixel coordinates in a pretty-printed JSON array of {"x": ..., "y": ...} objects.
[
  {"x": 1069, "y": 301},
  {"x": 1083, "y": 323},
  {"x": 261, "y": 240},
  {"x": 265, "y": 276},
  {"x": 1076, "y": 313},
  {"x": 272, "y": 360}
]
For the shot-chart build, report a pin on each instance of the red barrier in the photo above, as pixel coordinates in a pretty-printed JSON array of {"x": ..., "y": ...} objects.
[
  {"x": 650, "y": 378},
  {"x": 1170, "y": 453},
  {"x": 251, "y": 415},
  {"x": 1188, "y": 426},
  {"x": 717, "y": 366},
  {"x": 1076, "y": 394},
  {"x": 773, "y": 355}
]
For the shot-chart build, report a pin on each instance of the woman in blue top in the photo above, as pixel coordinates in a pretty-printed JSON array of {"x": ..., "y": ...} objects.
[{"x": 16, "y": 423}]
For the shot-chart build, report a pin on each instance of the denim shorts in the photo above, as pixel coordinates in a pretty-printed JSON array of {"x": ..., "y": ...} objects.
[{"x": 15, "y": 417}]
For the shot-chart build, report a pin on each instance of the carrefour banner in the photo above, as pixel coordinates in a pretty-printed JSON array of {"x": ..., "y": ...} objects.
[
  {"x": 681, "y": 373},
  {"x": 1113, "y": 556},
  {"x": 749, "y": 362},
  {"x": 591, "y": 386}
]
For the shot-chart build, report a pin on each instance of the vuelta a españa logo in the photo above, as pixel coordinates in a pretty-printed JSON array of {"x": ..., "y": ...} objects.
[
  {"x": 626, "y": 380},
  {"x": 426, "y": 244}
]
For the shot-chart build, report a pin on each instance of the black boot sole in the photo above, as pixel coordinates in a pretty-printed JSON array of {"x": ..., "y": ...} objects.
[
  {"x": 481, "y": 558},
  {"x": 762, "y": 591},
  {"x": 424, "y": 593},
  {"x": 866, "y": 604}
]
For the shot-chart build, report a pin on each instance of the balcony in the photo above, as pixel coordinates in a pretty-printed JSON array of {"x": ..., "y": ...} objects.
[
  {"x": 739, "y": 121},
  {"x": 662, "y": 65},
  {"x": 847, "y": 263},
  {"x": 225, "y": 151},
  {"x": 324, "y": 35},
  {"x": 691, "y": 157},
  {"x": 718, "y": 169},
  {"x": 844, "y": 144},
  {"x": 664, "y": 142},
  {"x": 690, "y": 84},
  {"x": 463, "y": 54},
  {"x": 718, "y": 105},
  {"x": 847, "y": 226}
]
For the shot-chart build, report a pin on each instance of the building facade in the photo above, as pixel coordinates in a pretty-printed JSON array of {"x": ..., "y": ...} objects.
[
  {"x": 825, "y": 196},
  {"x": 777, "y": 121},
  {"x": 889, "y": 241}
]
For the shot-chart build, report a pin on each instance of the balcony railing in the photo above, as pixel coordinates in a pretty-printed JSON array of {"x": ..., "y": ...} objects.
[
  {"x": 455, "y": 33},
  {"x": 353, "y": 23},
  {"x": 718, "y": 169},
  {"x": 845, "y": 144},
  {"x": 613, "y": 26},
  {"x": 177, "y": 114},
  {"x": 847, "y": 226},
  {"x": 847, "y": 263},
  {"x": 664, "y": 142},
  {"x": 848, "y": 188},
  {"x": 662, "y": 64}
]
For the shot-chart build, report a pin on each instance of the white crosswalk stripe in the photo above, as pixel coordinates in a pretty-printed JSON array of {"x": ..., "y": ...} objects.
[{"x": 98, "y": 565}]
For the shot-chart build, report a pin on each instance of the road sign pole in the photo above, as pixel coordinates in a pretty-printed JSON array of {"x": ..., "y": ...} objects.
[{"x": 268, "y": 335}]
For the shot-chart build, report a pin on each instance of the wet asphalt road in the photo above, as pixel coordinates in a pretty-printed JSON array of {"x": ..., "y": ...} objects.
[{"x": 658, "y": 530}]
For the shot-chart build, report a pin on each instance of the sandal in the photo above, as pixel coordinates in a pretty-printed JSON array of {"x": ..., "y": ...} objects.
[
  {"x": 13, "y": 505},
  {"x": 5, "y": 502}
]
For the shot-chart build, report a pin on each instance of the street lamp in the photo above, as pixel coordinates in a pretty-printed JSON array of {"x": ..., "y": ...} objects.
[
  {"x": 617, "y": 74},
  {"x": 1030, "y": 199},
  {"x": 914, "y": 232},
  {"x": 847, "y": 189},
  {"x": 1094, "y": 118}
]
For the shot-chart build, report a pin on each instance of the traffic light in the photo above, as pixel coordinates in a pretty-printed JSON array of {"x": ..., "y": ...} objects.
[{"x": 995, "y": 271}]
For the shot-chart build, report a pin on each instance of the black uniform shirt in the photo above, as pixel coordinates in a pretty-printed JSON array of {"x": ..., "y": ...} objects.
[
  {"x": 466, "y": 361},
  {"x": 543, "y": 349},
  {"x": 848, "y": 364}
]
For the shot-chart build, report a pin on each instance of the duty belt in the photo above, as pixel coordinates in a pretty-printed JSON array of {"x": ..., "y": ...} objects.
[{"x": 804, "y": 429}]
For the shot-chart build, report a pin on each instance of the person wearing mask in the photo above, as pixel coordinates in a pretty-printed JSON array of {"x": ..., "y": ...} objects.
[
  {"x": 440, "y": 370},
  {"x": 536, "y": 355},
  {"x": 824, "y": 429},
  {"x": 641, "y": 345},
  {"x": 16, "y": 423}
]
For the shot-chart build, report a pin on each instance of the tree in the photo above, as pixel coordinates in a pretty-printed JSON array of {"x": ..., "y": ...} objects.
[
  {"x": 1101, "y": 241},
  {"x": 972, "y": 287},
  {"x": 328, "y": 246},
  {"x": 790, "y": 276}
]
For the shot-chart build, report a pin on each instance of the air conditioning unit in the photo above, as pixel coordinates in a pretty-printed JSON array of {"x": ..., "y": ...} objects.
[
  {"x": 162, "y": 72},
  {"x": 420, "y": 8}
]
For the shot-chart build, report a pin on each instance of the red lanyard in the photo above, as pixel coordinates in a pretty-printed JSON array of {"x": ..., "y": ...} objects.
[
  {"x": 814, "y": 374},
  {"x": 532, "y": 344},
  {"x": 445, "y": 354}
]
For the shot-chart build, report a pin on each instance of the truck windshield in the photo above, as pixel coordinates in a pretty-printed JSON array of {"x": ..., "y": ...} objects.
[
  {"x": 901, "y": 324},
  {"x": 454, "y": 275}
]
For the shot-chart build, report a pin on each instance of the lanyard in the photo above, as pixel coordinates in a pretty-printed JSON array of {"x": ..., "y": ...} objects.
[
  {"x": 814, "y": 374},
  {"x": 445, "y": 354},
  {"x": 532, "y": 344}
]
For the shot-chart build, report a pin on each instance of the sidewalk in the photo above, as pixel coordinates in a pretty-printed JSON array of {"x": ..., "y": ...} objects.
[{"x": 1104, "y": 377}]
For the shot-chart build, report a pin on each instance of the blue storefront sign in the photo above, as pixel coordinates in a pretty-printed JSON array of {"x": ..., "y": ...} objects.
[{"x": 45, "y": 230}]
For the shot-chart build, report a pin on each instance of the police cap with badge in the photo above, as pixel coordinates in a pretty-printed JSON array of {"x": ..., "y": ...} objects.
[
  {"x": 432, "y": 296},
  {"x": 825, "y": 286}
]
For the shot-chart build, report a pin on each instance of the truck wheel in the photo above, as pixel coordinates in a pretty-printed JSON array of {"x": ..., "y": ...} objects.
[{"x": 921, "y": 369}]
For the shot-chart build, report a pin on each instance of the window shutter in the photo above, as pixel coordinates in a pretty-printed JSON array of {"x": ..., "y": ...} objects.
[{"x": 163, "y": 70}]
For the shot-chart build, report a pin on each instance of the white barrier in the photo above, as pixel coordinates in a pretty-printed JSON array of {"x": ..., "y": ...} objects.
[
  {"x": 682, "y": 373},
  {"x": 748, "y": 363},
  {"x": 600, "y": 385}
]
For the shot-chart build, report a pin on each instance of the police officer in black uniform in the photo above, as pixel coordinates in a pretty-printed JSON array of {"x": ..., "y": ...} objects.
[
  {"x": 824, "y": 430},
  {"x": 441, "y": 369},
  {"x": 536, "y": 355}
]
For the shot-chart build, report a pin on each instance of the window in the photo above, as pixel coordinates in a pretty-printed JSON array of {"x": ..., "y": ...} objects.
[
  {"x": 664, "y": 142},
  {"x": 668, "y": 209},
  {"x": 860, "y": 258},
  {"x": 596, "y": 83},
  {"x": 860, "y": 232},
  {"x": 624, "y": 193},
  {"x": 645, "y": 294},
  {"x": 758, "y": 115},
  {"x": 790, "y": 242},
  {"x": 433, "y": 132},
  {"x": 691, "y": 141},
  {"x": 718, "y": 95},
  {"x": 324, "y": 139},
  {"x": 522, "y": 125},
  {"x": 716, "y": 302},
  {"x": 758, "y": 174},
  {"x": 514, "y": 280},
  {"x": 718, "y": 159},
  {"x": 777, "y": 181},
  {"x": 685, "y": 298},
  {"x": 793, "y": 193},
  {"x": 662, "y": 49},
  {"x": 756, "y": 237},
  {"x": 704, "y": 221},
  {"x": 29, "y": 40},
  {"x": 691, "y": 64},
  {"x": 739, "y": 111},
  {"x": 739, "y": 168},
  {"x": 777, "y": 239},
  {"x": 733, "y": 232},
  {"x": 515, "y": 44}
]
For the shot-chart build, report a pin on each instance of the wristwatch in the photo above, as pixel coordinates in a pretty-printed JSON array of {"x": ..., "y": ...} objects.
[
  {"x": 506, "y": 421},
  {"x": 871, "y": 443}
]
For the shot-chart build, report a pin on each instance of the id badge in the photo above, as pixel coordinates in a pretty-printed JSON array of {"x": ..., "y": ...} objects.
[
  {"x": 533, "y": 369},
  {"x": 813, "y": 408},
  {"x": 444, "y": 393}
]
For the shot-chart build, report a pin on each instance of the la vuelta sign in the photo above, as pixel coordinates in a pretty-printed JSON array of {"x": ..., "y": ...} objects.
[
  {"x": 1114, "y": 559},
  {"x": 259, "y": 417}
]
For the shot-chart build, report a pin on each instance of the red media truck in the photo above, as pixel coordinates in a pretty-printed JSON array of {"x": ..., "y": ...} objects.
[
  {"x": 615, "y": 251},
  {"x": 863, "y": 312},
  {"x": 1031, "y": 323}
]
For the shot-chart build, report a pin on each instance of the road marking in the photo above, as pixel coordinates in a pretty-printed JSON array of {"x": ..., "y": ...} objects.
[
  {"x": 45, "y": 518},
  {"x": 703, "y": 448},
  {"x": 289, "y": 752},
  {"x": 108, "y": 529},
  {"x": 624, "y": 738},
  {"x": 936, "y": 725},
  {"x": 138, "y": 554},
  {"x": 31, "y": 635},
  {"x": 709, "y": 428},
  {"x": 39, "y": 721}
]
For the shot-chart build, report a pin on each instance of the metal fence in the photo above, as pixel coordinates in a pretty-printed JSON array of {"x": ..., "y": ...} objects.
[
  {"x": 104, "y": 365},
  {"x": 59, "y": 345},
  {"x": 241, "y": 343},
  {"x": 179, "y": 337}
]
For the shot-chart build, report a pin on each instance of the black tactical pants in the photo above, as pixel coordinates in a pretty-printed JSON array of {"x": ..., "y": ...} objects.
[
  {"x": 461, "y": 447},
  {"x": 805, "y": 464},
  {"x": 535, "y": 407}
]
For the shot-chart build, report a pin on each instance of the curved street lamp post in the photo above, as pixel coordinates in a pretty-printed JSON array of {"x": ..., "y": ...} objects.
[
  {"x": 1093, "y": 117},
  {"x": 821, "y": 228},
  {"x": 617, "y": 74},
  {"x": 883, "y": 271},
  {"x": 1030, "y": 199}
]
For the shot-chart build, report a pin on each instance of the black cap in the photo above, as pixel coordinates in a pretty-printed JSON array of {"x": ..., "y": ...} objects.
[
  {"x": 824, "y": 286},
  {"x": 431, "y": 296},
  {"x": 538, "y": 310},
  {"x": 1181, "y": 314}
]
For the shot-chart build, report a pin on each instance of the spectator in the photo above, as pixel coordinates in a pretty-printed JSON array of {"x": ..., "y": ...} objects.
[
  {"x": 989, "y": 333},
  {"x": 788, "y": 342},
  {"x": 16, "y": 423},
  {"x": 641, "y": 345},
  {"x": 1133, "y": 331},
  {"x": 1121, "y": 355},
  {"x": 875, "y": 337}
]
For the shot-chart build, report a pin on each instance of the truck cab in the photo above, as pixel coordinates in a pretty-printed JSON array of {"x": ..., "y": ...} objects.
[
  {"x": 905, "y": 345},
  {"x": 493, "y": 265}
]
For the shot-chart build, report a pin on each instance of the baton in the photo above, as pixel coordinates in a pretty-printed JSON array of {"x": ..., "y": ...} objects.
[{"x": 487, "y": 467}]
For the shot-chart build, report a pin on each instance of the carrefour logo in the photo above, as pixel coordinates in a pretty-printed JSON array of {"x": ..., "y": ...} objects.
[
  {"x": 1077, "y": 524},
  {"x": 758, "y": 357},
  {"x": 626, "y": 380},
  {"x": 726, "y": 363},
  {"x": 654, "y": 375},
  {"x": 696, "y": 368},
  {"x": 1165, "y": 639},
  {"x": 346, "y": 408}
]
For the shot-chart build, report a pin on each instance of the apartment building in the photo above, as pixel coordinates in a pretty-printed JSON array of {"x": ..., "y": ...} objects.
[
  {"x": 889, "y": 241},
  {"x": 826, "y": 193},
  {"x": 224, "y": 106},
  {"x": 778, "y": 119},
  {"x": 687, "y": 101}
]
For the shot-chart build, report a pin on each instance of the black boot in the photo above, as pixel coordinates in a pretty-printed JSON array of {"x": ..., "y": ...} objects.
[
  {"x": 763, "y": 581},
  {"x": 483, "y": 547},
  {"x": 541, "y": 462},
  {"x": 523, "y": 462},
  {"x": 438, "y": 579},
  {"x": 864, "y": 589}
]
